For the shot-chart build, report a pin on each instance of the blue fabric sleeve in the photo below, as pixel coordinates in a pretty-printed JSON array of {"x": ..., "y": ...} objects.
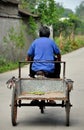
[
  {"x": 30, "y": 51},
  {"x": 56, "y": 48}
]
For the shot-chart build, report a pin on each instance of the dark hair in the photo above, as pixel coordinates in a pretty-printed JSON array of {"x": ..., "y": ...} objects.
[{"x": 44, "y": 31}]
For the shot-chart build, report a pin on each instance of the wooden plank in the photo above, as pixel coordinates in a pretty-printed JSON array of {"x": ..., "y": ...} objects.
[{"x": 46, "y": 96}]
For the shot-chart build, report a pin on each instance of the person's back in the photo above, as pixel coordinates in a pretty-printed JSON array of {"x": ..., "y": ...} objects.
[{"x": 43, "y": 49}]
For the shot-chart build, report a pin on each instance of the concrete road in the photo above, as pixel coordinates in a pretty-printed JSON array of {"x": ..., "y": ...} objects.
[{"x": 53, "y": 118}]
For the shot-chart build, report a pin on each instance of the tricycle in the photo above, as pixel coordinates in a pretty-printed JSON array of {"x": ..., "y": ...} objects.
[{"x": 40, "y": 91}]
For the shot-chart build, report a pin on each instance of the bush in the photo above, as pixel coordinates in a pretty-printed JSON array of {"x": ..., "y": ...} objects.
[
  {"x": 80, "y": 41},
  {"x": 2, "y": 61},
  {"x": 7, "y": 66},
  {"x": 69, "y": 45}
]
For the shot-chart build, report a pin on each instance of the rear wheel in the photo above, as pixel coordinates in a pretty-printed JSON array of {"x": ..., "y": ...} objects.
[
  {"x": 14, "y": 108},
  {"x": 67, "y": 107}
]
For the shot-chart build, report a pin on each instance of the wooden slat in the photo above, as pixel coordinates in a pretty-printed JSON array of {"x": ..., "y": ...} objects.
[{"x": 46, "y": 96}]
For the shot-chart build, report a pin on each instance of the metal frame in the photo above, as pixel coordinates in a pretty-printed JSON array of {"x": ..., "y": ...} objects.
[{"x": 27, "y": 62}]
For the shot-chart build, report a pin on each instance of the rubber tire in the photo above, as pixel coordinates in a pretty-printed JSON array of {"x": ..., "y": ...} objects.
[
  {"x": 67, "y": 107},
  {"x": 14, "y": 108}
]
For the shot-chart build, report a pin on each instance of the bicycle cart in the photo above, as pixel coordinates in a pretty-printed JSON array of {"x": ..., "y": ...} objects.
[{"x": 39, "y": 91}]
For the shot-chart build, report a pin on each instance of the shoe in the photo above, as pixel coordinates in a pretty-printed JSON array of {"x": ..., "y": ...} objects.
[
  {"x": 34, "y": 102},
  {"x": 52, "y": 102}
]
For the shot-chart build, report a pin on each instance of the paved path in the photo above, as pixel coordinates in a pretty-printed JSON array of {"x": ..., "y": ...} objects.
[{"x": 54, "y": 118}]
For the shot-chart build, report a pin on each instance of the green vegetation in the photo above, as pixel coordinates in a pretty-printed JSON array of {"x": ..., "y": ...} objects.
[
  {"x": 67, "y": 47},
  {"x": 33, "y": 27},
  {"x": 37, "y": 93},
  {"x": 14, "y": 43},
  {"x": 6, "y": 66}
]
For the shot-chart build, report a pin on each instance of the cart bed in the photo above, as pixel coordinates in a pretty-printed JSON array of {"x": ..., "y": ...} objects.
[{"x": 42, "y": 89}]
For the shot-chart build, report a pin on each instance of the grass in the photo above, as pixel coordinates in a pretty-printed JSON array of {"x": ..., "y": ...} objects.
[
  {"x": 80, "y": 41},
  {"x": 8, "y": 66}
]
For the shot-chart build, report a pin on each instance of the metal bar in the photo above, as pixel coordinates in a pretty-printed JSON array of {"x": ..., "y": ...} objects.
[
  {"x": 39, "y": 104},
  {"x": 19, "y": 69},
  {"x": 50, "y": 61},
  {"x": 64, "y": 70}
]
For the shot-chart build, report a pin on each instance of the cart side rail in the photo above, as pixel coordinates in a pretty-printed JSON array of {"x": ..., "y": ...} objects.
[{"x": 28, "y": 62}]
